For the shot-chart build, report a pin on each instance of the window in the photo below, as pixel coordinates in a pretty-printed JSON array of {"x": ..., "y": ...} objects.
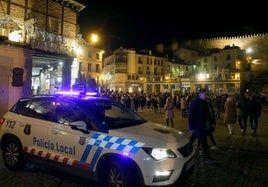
[
  {"x": 168, "y": 68},
  {"x": 97, "y": 56},
  {"x": 53, "y": 25},
  {"x": 66, "y": 113},
  {"x": 97, "y": 68},
  {"x": 139, "y": 70},
  {"x": 80, "y": 66},
  {"x": 139, "y": 60},
  {"x": 206, "y": 67},
  {"x": 40, "y": 109},
  {"x": 148, "y": 71},
  {"x": 228, "y": 57},
  {"x": 89, "y": 67},
  {"x": 89, "y": 54}
]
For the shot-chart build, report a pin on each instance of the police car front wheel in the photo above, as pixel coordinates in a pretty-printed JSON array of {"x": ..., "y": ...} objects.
[
  {"x": 13, "y": 154},
  {"x": 119, "y": 175}
]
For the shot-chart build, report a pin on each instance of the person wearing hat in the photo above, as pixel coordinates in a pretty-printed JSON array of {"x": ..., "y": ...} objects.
[{"x": 201, "y": 122}]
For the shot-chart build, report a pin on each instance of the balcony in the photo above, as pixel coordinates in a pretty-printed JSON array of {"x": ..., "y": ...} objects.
[{"x": 37, "y": 38}]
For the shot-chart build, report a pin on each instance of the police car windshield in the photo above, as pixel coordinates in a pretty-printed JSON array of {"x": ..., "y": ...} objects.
[{"x": 114, "y": 115}]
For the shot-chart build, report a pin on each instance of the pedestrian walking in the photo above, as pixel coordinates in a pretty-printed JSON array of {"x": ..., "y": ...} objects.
[
  {"x": 243, "y": 105},
  {"x": 254, "y": 114},
  {"x": 161, "y": 103},
  {"x": 183, "y": 107},
  {"x": 200, "y": 122},
  {"x": 155, "y": 104},
  {"x": 169, "y": 111},
  {"x": 230, "y": 114},
  {"x": 211, "y": 126}
]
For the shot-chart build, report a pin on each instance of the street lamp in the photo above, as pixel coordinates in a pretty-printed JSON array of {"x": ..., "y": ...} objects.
[{"x": 93, "y": 38}]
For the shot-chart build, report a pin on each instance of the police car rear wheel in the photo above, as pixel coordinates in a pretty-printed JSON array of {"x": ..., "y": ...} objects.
[{"x": 13, "y": 154}]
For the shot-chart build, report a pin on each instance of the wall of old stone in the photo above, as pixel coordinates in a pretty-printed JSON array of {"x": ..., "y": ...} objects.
[{"x": 259, "y": 42}]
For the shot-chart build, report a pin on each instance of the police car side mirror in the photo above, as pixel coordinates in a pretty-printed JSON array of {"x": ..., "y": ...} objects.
[{"x": 80, "y": 125}]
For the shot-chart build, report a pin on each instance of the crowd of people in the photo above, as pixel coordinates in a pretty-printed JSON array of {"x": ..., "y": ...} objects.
[{"x": 202, "y": 110}]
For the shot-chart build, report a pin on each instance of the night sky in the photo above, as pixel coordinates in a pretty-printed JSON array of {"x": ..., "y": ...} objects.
[{"x": 143, "y": 24}]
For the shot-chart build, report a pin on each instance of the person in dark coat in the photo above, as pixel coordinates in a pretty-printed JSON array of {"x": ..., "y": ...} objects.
[
  {"x": 201, "y": 122},
  {"x": 230, "y": 114},
  {"x": 243, "y": 106},
  {"x": 254, "y": 114}
]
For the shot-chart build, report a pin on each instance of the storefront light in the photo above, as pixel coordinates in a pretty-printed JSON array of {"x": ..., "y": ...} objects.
[
  {"x": 201, "y": 76},
  {"x": 59, "y": 79},
  {"x": 15, "y": 36}
]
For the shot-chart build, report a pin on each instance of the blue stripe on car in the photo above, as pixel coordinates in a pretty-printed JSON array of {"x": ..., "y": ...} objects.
[
  {"x": 108, "y": 142},
  {"x": 95, "y": 158}
]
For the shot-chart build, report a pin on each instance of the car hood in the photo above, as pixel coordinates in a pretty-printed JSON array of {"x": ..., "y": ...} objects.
[{"x": 153, "y": 135}]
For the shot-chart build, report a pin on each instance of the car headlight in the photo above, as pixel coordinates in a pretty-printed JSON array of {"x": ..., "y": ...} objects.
[{"x": 159, "y": 153}]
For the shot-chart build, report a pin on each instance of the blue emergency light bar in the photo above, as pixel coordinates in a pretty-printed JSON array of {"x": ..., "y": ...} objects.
[{"x": 76, "y": 93}]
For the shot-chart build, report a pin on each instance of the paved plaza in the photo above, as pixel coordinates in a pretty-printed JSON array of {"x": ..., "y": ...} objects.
[{"x": 242, "y": 161}]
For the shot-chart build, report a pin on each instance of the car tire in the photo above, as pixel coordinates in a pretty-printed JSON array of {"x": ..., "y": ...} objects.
[
  {"x": 13, "y": 154},
  {"x": 118, "y": 174}
]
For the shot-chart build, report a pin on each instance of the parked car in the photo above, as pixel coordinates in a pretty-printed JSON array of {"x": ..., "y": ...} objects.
[{"x": 94, "y": 137}]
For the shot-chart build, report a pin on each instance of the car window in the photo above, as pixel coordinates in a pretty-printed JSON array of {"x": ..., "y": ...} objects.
[
  {"x": 117, "y": 111},
  {"x": 66, "y": 112},
  {"x": 19, "y": 107},
  {"x": 113, "y": 115},
  {"x": 40, "y": 109}
]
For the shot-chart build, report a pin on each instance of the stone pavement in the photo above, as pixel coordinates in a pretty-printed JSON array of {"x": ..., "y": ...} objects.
[{"x": 241, "y": 160}]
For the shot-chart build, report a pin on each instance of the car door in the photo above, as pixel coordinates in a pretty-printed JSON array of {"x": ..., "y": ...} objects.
[
  {"x": 71, "y": 141},
  {"x": 33, "y": 124}
]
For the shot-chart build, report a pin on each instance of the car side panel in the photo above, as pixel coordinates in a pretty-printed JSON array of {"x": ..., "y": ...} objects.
[
  {"x": 26, "y": 128},
  {"x": 72, "y": 150}
]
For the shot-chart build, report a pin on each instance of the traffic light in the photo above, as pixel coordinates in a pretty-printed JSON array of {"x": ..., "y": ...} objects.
[{"x": 17, "y": 78}]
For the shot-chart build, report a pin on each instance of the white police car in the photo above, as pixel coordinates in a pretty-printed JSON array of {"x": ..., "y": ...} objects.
[{"x": 94, "y": 137}]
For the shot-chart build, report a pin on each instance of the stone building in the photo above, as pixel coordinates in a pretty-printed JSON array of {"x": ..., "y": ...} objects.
[
  {"x": 220, "y": 70},
  {"x": 38, "y": 42}
]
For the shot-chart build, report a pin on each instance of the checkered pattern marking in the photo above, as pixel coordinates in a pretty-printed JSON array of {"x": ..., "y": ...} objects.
[{"x": 115, "y": 143}]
